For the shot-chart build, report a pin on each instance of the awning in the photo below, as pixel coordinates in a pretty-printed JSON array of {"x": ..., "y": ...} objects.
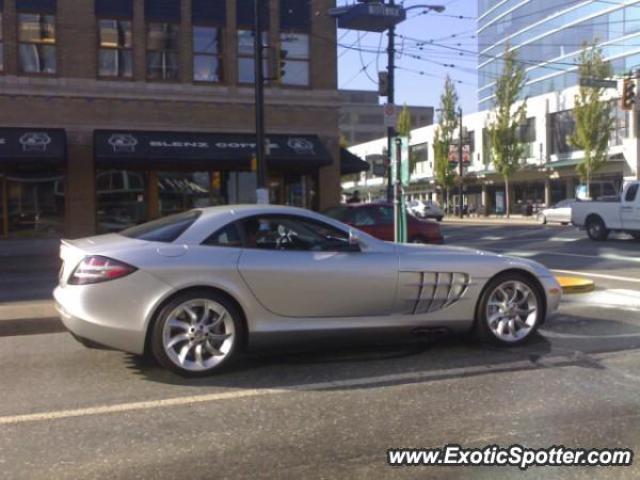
[
  {"x": 572, "y": 162},
  {"x": 207, "y": 151},
  {"x": 26, "y": 147},
  {"x": 350, "y": 163}
]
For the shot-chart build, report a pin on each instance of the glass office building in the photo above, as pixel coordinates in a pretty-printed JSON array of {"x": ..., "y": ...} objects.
[{"x": 548, "y": 36}]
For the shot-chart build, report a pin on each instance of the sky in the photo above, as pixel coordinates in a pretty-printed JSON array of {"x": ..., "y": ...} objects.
[{"x": 451, "y": 52}]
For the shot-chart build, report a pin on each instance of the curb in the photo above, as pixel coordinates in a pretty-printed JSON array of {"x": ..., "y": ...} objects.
[
  {"x": 572, "y": 285},
  {"x": 30, "y": 326}
]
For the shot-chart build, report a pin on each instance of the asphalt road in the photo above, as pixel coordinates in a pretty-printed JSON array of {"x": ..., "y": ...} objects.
[{"x": 69, "y": 412}]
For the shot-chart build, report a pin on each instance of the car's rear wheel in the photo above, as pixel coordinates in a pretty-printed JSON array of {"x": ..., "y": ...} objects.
[
  {"x": 196, "y": 333},
  {"x": 510, "y": 310},
  {"x": 596, "y": 229},
  {"x": 635, "y": 235}
]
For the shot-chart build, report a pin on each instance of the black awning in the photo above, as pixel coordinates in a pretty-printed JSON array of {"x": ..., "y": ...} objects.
[
  {"x": 206, "y": 151},
  {"x": 23, "y": 147},
  {"x": 350, "y": 163}
]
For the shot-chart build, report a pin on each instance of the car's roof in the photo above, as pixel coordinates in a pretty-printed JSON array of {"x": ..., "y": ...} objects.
[{"x": 248, "y": 209}]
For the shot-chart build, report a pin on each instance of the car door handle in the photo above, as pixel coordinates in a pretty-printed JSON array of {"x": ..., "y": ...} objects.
[{"x": 626, "y": 209}]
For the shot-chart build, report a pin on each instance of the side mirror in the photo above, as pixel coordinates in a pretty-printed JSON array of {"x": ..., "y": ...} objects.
[{"x": 354, "y": 240}]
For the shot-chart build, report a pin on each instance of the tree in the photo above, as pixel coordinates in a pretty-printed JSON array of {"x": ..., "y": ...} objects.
[
  {"x": 403, "y": 128},
  {"x": 592, "y": 115},
  {"x": 447, "y": 123},
  {"x": 504, "y": 128}
]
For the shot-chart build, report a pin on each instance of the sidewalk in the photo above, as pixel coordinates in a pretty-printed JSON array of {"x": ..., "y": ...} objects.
[{"x": 493, "y": 220}]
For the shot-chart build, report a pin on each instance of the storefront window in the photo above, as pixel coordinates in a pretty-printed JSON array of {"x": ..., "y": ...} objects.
[
  {"x": 122, "y": 199},
  {"x": 162, "y": 51},
  {"x": 181, "y": 191},
  {"x": 35, "y": 206},
  {"x": 37, "y": 47},
  {"x": 207, "y": 54},
  {"x": 115, "y": 53}
]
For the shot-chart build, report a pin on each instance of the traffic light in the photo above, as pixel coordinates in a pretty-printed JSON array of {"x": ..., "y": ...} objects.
[
  {"x": 383, "y": 84},
  {"x": 282, "y": 63},
  {"x": 628, "y": 94}
]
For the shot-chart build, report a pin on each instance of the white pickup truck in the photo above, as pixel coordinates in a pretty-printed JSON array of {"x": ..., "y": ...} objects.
[{"x": 619, "y": 214}]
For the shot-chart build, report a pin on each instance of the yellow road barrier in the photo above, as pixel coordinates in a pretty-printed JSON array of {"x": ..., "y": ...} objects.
[{"x": 575, "y": 285}]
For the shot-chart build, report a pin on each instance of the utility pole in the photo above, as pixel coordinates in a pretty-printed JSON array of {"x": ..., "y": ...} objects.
[
  {"x": 262, "y": 192},
  {"x": 391, "y": 131},
  {"x": 460, "y": 165}
]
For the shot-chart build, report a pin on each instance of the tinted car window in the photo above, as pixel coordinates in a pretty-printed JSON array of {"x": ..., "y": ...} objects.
[
  {"x": 166, "y": 229},
  {"x": 386, "y": 215},
  {"x": 632, "y": 191},
  {"x": 338, "y": 213},
  {"x": 275, "y": 232},
  {"x": 225, "y": 237},
  {"x": 363, "y": 217}
]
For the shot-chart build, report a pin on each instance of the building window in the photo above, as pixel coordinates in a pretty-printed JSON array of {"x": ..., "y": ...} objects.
[
  {"x": 294, "y": 52},
  {"x": 207, "y": 54},
  {"x": 37, "y": 43},
  {"x": 115, "y": 56},
  {"x": 246, "y": 69},
  {"x": 162, "y": 51},
  {"x": 295, "y": 22},
  {"x": 245, "y": 19}
]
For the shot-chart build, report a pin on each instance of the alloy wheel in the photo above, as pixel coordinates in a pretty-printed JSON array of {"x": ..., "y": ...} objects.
[
  {"x": 512, "y": 311},
  {"x": 198, "y": 335}
]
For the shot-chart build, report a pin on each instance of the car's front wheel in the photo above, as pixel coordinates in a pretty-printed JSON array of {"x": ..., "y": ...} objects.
[
  {"x": 196, "y": 333},
  {"x": 510, "y": 310}
]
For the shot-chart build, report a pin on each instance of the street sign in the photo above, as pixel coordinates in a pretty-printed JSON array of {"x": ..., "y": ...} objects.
[
  {"x": 404, "y": 161},
  {"x": 390, "y": 115},
  {"x": 598, "y": 83}
]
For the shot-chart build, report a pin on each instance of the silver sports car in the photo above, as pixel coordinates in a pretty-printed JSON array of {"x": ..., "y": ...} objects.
[{"x": 196, "y": 288}]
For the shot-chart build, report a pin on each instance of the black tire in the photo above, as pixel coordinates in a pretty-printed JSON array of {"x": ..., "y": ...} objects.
[
  {"x": 439, "y": 219},
  {"x": 564, "y": 223},
  {"x": 542, "y": 219},
  {"x": 157, "y": 347},
  {"x": 482, "y": 329},
  {"x": 596, "y": 229},
  {"x": 635, "y": 235}
]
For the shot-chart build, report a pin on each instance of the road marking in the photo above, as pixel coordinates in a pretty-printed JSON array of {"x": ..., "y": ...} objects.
[
  {"x": 563, "y": 239},
  {"x": 599, "y": 275},
  {"x": 549, "y": 333},
  {"x": 605, "y": 256},
  {"x": 556, "y": 360},
  {"x": 619, "y": 299}
]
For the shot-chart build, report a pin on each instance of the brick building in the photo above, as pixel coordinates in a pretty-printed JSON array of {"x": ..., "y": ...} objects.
[{"x": 113, "y": 112}]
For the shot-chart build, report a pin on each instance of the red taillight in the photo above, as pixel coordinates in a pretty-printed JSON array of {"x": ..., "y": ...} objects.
[{"x": 96, "y": 269}]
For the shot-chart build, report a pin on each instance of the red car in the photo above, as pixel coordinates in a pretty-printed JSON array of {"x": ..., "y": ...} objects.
[{"x": 377, "y": 220}]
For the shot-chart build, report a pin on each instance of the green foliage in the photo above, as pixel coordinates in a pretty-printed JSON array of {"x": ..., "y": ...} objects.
[
  {"x": 504, "y": 129},
  {"x": 403, "y": 126},
  {"x": 592, "y": 115},
  {"x": 447, "y": 124}
]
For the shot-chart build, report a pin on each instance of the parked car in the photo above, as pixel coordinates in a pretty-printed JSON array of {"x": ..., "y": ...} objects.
[
  {"x": 376, "y": 219},
  {"x": 616, "y": 214},
  {"x": 194, "y": 289},
  {"x": 558, "y": 213},
  {"x": 425, "y": 210}
]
